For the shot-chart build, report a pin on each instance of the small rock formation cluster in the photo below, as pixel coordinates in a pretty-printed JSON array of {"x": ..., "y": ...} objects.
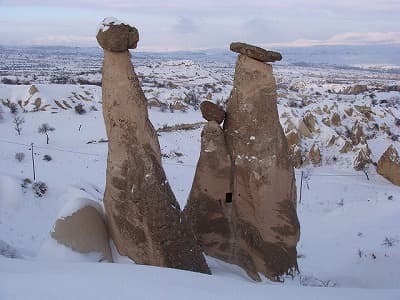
[
  {"x": 144, "y": 218},
  {"x": 389, "y": 165},
  {"x": 242, "y": 205},
  {"x": 84, "y": 231}
]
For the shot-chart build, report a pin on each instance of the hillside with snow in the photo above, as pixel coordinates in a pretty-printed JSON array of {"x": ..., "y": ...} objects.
[{"x": 349, "y": 214}]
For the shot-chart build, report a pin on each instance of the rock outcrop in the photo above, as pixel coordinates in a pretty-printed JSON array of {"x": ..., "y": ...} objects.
[
  {"x": 143, "y": 215},
  {"x": 255, "y": 52},
  {"x": 212, "y": 112},
  {"x": 295, "y": 155},
  {"x": 116, "y": 36},
  {"x": 363, "y": 158},
  {"x": 389, "y": 165},
  {"x": 84, "y": 231},
  {"x": 315, "y": 155},
  {"x": 243, "y": 211},
  {"x": 293, "y": 138}
]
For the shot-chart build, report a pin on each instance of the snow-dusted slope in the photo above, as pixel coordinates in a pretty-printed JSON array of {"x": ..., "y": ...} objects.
[{"x": 350, "y": 234}]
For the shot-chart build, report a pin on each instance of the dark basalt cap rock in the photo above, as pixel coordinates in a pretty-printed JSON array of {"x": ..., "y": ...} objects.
[
  {"x": 114, "y": 35},
  {"x": 212, "y": 112},
  {"x": 255, "y": 52}
]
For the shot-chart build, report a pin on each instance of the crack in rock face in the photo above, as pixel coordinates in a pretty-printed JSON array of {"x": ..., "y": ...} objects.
[
  {"x": 144, "y": 218},
  {"x": 242, "y": 205}
]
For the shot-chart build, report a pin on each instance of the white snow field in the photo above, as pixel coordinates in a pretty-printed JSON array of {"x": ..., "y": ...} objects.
[{"x": 350, "y": 226}]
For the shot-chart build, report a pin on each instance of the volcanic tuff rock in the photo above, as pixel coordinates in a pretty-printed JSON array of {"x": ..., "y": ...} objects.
[
  {"x": 84, "y": 231},
  {"x": 363, "y": 158},
  {"x": 143, "y": 215},
  {"x": 212, "y": 112},
  {"x": 207, "y": 209},
  {"x": 389, "y": 165},
  {"x": 116, "y": 36},
  {"x": 296, "y": 157},
  {"x": 315, "y": 155},
  {"x": 249, "y": 220},
  {"x": 255, "y": 52}
]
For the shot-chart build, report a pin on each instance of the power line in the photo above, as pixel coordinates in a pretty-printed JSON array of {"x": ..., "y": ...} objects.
[{"x": 298, "y": 173}]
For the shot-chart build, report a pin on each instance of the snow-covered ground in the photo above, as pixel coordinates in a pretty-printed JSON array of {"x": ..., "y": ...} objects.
[{"x": 350, "y": 228}]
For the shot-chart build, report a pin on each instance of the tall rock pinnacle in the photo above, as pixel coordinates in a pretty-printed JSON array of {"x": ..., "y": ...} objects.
[
  {"x": 144, "y": 218},
  {"x": 255, "y": 225}
]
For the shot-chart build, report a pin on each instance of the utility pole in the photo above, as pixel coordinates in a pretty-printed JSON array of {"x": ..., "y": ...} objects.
[
  {"x": 33, "y": 163},
  {"x": 301, "y": 184}
]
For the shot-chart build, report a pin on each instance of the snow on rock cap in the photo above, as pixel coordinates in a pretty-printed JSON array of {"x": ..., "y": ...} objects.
[{"x": 117, "y": 36}]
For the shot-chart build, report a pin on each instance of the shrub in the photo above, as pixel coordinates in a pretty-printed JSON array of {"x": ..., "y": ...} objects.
[
  {"x": 13, "y": 108},
  {"x": 47, "y": 157},
  {"x": 19, "y": 156},
  {"x": 18, "y": 121},
  {"x": 79, "y": 109},
  {"x": 40, "y": 188}
]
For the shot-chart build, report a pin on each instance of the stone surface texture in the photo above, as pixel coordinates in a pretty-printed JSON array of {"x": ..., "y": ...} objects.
[
  {"x": 255, "y": 52},
  {"x": 84, "y": 231},
  {"x": 389, "y": 165},
  {"x": 143, "y": 215},
  {"x": 248, "y": 216},
  {"x": 118, "y": 38},
  {"x": 212, "y": 112}
]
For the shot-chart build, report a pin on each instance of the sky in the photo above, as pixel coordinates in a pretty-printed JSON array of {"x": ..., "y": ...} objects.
[{"x": 190, "y": 25}]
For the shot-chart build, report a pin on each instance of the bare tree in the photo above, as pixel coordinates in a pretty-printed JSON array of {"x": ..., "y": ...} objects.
[
  {"x": 45, "y": 129},
  {"x": 18, "y": 121}
]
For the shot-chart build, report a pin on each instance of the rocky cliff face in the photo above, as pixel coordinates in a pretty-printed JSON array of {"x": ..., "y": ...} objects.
[
  {"x": 255, "y": 225},
  {"x": 389, "y": 165},
  {"x": 143, "y": 215}
]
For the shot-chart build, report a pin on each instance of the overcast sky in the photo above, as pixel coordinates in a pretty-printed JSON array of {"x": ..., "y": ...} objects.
[{"x": 180, "y": 24}]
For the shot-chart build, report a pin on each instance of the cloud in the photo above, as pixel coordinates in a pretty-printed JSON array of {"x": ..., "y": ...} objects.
[
  {"x": 347, "y": 38},
  {"x": 53, "y": 40},
  {"x": 185, "y": 26}
]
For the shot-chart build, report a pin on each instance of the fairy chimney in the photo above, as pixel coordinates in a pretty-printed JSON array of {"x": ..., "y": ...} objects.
[
  {"x": 143, "y": 215},
  {"x": 243, "y": 211}
]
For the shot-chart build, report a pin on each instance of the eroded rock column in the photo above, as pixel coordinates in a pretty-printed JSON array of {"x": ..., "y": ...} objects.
[
  {"x": 143, "y": 215},
  {"x": 255, "y": 225}
]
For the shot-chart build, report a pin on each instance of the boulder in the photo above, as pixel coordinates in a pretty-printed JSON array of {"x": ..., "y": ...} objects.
[
  {"x": 357, "y": 134},
  {"x": 366, "y": 111},
  {"x": 33, "y": 90},
  {"x": 144, "y": 218},
  {"x": 355, "y": 90},
  {"x": 389, "y": 165},
  {"x": 303, "y": 129},
  {"x": 335, "y": 119},
  {"x": 84, "y": 231},
  {"x": 178, "y": 105},
  {"x": 347, "y": 146},
  {"x": 293, "y": 138},
  {"x": 362, "y": 159},
  {"x": 296, "y": 156},
  {"x": 349, "y": 111},
  {"x": 113, "y": 35},
  {"x": 315, "y": 155},
  {"x": 255, "y": 226},
  {"x": 310, "y": 121},
  {"x": 332, "y": 140},
  {"x": 255, "y": 52},
  {"x": 212, "y": 112}
]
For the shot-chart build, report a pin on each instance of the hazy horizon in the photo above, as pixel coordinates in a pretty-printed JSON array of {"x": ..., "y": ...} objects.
[{"x": 187, "y": 25}]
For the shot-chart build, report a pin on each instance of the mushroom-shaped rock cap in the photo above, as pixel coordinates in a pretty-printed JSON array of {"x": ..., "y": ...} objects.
[
  {"x": 114, "y": 35},
  {"x": 255, "y": 52},
  {"x": 212, "y": 112}
]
